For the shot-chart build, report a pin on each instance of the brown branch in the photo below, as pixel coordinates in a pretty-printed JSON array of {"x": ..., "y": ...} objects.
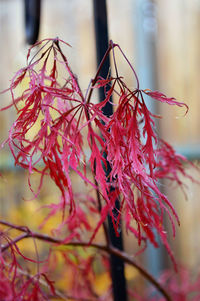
[
  {"x": 14, "y": 241},
  {"x": 45, "y": 237},
  {"x": 108, "y": 249}
]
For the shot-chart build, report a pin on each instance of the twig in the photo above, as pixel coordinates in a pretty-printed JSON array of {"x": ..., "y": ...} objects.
[
  {"x": 58, "y": 294},
  {"x": 108, "y": 249},
  {"x": 44, "y": 237},
  {"x": 98, "y": 72},
  {"x": 105, "y": 229}
]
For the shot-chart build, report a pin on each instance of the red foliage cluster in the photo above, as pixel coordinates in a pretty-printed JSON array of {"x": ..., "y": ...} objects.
[
  {"x": 126, "y": 156},
  {"x": 138, "y": 159},
  {"x": 182, "y": 287},
  {"x": 15, "y": 283}
]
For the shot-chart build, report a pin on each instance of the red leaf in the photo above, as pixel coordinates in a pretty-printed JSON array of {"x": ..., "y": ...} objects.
[{"x": 163, "y": 98}]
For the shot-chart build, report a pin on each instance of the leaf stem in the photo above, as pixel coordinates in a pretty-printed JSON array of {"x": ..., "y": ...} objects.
[{"x": 98, "y": 72}]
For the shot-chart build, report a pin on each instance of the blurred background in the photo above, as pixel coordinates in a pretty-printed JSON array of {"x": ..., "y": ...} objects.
[{"x": 162, "y": 41}]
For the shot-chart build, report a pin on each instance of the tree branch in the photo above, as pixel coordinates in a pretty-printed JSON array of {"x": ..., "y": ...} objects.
[{"x": 108, "y": 249}]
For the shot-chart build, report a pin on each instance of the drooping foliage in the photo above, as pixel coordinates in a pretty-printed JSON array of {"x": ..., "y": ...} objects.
[{"x": 59, "y": 130}]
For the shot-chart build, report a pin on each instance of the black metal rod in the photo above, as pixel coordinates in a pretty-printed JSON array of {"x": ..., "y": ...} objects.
[
  {"x": 32, "y": 20},
  {"x": 101, "y": 34}
]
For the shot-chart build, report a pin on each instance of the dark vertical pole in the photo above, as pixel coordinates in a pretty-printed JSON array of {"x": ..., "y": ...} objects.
[
  {"x": 32, "y": 20},
  {"x": 101, "y": 33}
]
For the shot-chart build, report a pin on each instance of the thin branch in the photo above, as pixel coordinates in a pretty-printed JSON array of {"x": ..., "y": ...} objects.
[
  {"x": 108, "y": 249},
  {"x": 14, "y": 241},
  {"x": 56, "y": 42},
  {"x": 105, "y": 229},
  {"x": 97, "y": 74},
  {"x": 58, "y": 294},
  {"x": 95, "y": 181},
  {"x": 45, "y": 237}
]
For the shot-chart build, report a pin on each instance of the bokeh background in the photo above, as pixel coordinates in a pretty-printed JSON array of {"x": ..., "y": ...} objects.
[{"x": 162, "y": 40}]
